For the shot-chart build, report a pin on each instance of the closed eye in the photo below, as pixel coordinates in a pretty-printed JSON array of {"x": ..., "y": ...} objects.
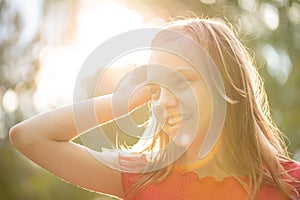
[
  {"x": 182, "y": 84},
  {"x": 154, "y": 91}
]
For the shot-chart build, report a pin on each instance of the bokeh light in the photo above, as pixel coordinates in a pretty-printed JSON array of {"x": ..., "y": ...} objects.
[
  {"x": 294, "y": 13},
  {"x": 95, "y": 22},
  {"x": 278, "y": 63},
  {"x": 10, "y": 101},
  {"x": 269, "y": 15},
  {"x": 249, "y": 5},
  {"x": 208, "y": 1}
]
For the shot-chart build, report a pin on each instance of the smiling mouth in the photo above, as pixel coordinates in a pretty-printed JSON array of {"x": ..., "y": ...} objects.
[{"x": 175, "y": 121}]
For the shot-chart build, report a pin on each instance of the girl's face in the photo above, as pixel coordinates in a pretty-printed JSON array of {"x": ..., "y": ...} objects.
[{"x": 182, "y": 102}]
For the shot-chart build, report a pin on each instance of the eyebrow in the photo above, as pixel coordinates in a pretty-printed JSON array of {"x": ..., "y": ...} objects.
[
  {"x": 184, "y": 72},
  {"x": 185, "y": 69},
  {"x": 181, "y": 70}
]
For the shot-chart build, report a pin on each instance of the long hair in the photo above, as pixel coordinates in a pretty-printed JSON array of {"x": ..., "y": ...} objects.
[{"x": 253, "y": 139}]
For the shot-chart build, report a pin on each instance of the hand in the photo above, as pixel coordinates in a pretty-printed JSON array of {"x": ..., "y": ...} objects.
[{"x": 131, "y": 91}]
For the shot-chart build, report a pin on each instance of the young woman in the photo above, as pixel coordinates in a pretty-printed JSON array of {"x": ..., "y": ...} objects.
[{"x": 246, "y": 160}]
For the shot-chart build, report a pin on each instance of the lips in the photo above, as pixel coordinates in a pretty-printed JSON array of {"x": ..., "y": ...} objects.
[{"x": 175, "y": 120}]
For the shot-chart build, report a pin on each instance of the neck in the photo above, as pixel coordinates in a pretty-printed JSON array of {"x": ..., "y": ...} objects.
[{"x": 217, "y": 164}]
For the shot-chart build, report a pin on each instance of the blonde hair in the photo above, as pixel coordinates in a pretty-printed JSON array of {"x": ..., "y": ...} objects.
[{"x": 253, "y": 139}]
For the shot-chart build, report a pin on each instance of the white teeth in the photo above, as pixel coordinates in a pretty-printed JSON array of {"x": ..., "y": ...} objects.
[{"x": 175, "y": 120}]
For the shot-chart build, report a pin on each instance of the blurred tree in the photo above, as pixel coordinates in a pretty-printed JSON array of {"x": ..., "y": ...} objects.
[{"x": 20, "y": 44}]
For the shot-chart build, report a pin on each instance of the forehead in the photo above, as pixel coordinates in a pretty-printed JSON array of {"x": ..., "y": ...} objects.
[
  {"x": 166, "y": 66},
  {"x": 168, "y": 59}
]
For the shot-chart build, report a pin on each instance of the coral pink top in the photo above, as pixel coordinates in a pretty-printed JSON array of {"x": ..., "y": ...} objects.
[{"x": 182, "y": 185}]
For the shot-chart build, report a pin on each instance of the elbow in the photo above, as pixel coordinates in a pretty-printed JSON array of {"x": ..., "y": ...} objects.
[
  {"x": 18, "y": 138},
  {"x": 14, "y": 135}
]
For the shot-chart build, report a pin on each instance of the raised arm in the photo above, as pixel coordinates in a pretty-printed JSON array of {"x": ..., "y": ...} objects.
[{"x": 45, "y": 139}]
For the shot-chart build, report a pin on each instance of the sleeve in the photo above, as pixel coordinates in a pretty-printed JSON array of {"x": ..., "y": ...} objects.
[
  {"x": 294, "y": 172},
  {"x": 293, "y": 169}
]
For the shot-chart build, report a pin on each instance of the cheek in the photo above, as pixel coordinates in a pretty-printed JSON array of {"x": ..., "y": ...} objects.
[{"x": 203, "y": 99}]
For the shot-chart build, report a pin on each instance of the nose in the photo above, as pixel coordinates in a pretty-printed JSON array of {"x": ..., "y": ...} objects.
[{"x": 167, "y": 99}]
